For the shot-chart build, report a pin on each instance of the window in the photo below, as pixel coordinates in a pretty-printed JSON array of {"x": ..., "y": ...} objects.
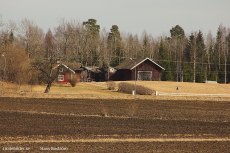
[
  {"x": 144, "y": 75},
  {"x": 61, "y": 70},
  {"x": 60, "y": 77}
]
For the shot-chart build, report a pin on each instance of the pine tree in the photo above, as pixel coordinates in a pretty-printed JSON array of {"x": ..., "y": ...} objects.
[
  {"x": 201, "y": 67},
  {"x": 11, "y": 38},
  {"x": 115, "y": 46},
  {"x": 144, "y": 46},
  {"x": 218, "y": 55},
  {"x": 92, "y": 34},
  {"x": 189, "y": 58},
  {"x": 228, "y": 56},
  {"x": 187, "y": 71},
  {"x": 167, "y": 74},
  {"x": 213, "y": 67},
  {"x": 177, "y": 31}
]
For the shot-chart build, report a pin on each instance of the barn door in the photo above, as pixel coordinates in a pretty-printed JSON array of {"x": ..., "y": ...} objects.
[{"x": 144, "y": 75}]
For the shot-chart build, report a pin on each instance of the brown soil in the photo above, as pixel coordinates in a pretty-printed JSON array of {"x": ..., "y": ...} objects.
[{"x": 30, "y": 122}]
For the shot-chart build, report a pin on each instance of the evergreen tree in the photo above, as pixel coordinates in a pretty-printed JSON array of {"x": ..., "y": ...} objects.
[
  {"x": 115, "y": 46},
  {"x": 92, "y": 34},
  {"x": 218, "y": 56},
  {"x": 228, "y": 56},
  {"x": 212, "y": 71},
  {"x": 201, "y": 60},
  {"x": 187, "y": 71},
  {"x": 188, "y": 65},
  {"x": 11, "y": 38},
  {"x": 144, "y": 47},
  {"x": 92, "y": 27},
  {"x": 177, "y": 31},
  {"x": 167, "y": 74},
  {"x": 178, "y": 42},
  {"x": 188, "y": 51}
]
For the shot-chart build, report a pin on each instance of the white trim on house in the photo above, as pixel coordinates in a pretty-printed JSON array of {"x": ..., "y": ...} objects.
[
  {"x": 65, "y": 67},
  {"x": 145, "y": 60}
]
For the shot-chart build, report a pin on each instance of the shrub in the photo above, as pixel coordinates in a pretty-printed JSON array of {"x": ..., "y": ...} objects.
[
  {"x": 128, "y": 88},
  {"x": 104, "y": 110},
  {"x": 73, "y": 79},
  {"x": 125, "y": 87},
  {"x": 111, "y": 85},
  {"x": 132, "y": 108}
]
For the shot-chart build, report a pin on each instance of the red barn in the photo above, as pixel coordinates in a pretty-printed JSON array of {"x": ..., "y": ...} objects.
[{"x": 141, "y": 69}]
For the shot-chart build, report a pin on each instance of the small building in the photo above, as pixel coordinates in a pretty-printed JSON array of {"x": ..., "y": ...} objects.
[
  {"x": 143, "y": 69},
  {"x": 92, "y": 73},
  {"x": 65, "y": 73}
]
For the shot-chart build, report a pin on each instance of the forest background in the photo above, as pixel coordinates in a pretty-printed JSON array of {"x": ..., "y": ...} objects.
[{"x": 28, "y": 53}]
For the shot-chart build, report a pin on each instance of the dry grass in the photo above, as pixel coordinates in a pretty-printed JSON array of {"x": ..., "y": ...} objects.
[
  {"x": 15, "y": 88},
  {"x": 186, "y": 87},
  {"x": 81, "y": 88},
  {"x": 89, "y": 90}
]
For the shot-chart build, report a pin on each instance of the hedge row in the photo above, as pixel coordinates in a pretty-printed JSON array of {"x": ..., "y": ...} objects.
[{"x": 128, "y": 88}]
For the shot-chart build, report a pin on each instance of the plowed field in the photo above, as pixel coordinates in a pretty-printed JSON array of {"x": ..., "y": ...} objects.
[{"x": 113, "y": 125}]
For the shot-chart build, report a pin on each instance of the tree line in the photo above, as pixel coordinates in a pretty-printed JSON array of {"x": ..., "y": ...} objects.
[{"x": 30, "y": 52}]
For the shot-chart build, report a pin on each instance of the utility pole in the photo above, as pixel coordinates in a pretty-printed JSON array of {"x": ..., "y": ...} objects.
[
  {"x": 225, "y": 64},
  {"x": 135, "y": 77}
]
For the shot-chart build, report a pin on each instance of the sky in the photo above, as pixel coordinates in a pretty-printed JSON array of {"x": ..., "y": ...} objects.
[{"x": 156, "y": 17}]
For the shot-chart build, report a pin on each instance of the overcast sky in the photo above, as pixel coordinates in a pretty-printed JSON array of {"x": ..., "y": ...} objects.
[{"x": 156, "y": 17}]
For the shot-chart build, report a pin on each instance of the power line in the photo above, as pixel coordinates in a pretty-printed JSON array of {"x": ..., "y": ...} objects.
[{"x": 192, "y": 62}]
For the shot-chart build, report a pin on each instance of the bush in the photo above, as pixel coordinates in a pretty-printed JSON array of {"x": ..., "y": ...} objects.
[
  {"x": 111, "y": 85},
  {"x": 73, "y": 79},
  {"x": 128, "y": 88}
]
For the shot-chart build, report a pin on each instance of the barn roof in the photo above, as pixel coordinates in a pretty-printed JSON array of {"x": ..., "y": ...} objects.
[{"x": 131, "y": 64}]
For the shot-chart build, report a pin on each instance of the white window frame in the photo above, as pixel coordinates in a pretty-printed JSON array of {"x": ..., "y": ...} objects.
[{"x": 60, "y": 77}]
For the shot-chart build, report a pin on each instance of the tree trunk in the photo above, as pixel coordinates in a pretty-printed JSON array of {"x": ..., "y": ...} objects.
[{"x": 48, "y": 88}]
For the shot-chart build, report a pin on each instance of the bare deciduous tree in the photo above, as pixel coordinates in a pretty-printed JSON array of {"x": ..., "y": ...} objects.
[
  {"x": 31, "y": 37},
  {"x": 48, "y": 71}
]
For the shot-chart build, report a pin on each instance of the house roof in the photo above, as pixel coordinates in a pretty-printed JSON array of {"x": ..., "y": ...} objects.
[
  {"x": 131, "y": 64},
  {"x": 92, "y": 69},
  {"x": 61, "y": 64},
  {"x": 74, "y": 66}
]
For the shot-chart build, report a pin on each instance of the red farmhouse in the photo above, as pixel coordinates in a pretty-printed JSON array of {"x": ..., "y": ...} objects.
[{"x": 64, "y": 74}]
